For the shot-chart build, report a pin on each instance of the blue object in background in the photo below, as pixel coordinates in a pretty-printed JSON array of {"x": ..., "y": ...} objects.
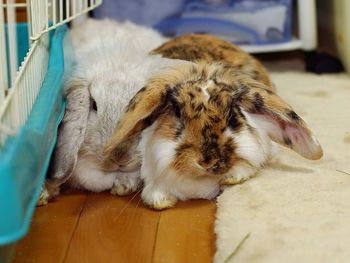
[
  {"x": 243, "y": 22},
  {"x": 239, "y": 21},
  {"x": 144, "y": 12}
]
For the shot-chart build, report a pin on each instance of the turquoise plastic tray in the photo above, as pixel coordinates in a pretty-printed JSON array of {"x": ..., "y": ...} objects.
[{"x": 25, "y": 158}]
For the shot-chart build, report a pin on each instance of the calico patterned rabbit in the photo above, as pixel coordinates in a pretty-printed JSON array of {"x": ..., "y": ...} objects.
[{"x": 201, "y": 125}]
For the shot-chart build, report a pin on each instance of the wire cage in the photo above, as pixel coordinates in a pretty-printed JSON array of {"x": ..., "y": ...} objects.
[
  {"x": 35, "y": 55},
  {"x": 42, "y": 16}
]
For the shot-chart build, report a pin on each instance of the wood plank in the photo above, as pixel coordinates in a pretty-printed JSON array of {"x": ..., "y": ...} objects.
[
  {"x": 185, "y": 233},
  {"x": 51, "y": 229},
  {"x": 114, "y": 229}
]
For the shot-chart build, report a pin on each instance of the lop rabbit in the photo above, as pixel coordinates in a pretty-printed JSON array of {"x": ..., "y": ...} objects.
[
  {"x": 113, "y": 63},
  {"x": 201, "y": 125}
]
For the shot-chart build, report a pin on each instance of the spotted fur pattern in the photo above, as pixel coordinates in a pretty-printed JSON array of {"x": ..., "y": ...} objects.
[
  {"x": 203, "y": 124},
  {"x": 216, "y": 117},
  {"x": 196, "y": 47},
  {"x": 206, "y": 99}
]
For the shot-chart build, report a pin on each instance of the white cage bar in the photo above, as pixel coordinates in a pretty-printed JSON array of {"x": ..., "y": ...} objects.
[
  {"x": 3, "y": 62},
  {"x": 19, "y": 86},
  {"x": 62, "y": 12}
]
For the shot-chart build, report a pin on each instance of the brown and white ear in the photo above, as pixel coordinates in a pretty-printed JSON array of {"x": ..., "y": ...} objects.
[
  {"x": 71, "y": 132},
  {"x": 145, "y": 107},
  {"x": 141, "y": 112},
  {"x": 270, "y": 113}
]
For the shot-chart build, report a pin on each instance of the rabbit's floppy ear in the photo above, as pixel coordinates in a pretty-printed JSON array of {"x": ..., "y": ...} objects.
[
  {"x": 143, "y": 109},
  {"x": 278, "y": 119},
  {"x": 71, "y": 131},
  {"x": 140, "y": 113}
]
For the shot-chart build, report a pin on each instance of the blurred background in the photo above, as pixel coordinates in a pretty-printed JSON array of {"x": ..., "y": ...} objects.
[
  {"x": 260, "y": 26},
  {"x": 318, "y": 28}
]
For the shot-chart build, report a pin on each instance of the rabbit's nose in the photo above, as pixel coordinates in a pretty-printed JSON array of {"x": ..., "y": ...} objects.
[
  {"x": 215, "y": 168},
  {"x": 212, "y": 166}
]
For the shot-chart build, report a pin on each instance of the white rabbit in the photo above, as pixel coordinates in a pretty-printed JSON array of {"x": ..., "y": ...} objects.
[{"x": 112, "y": 65}]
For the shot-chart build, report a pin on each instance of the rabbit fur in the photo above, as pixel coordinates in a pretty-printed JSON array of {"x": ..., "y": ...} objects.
[
  {"x": 112, "y": 64},
  {"x": 202, "y": 125}
]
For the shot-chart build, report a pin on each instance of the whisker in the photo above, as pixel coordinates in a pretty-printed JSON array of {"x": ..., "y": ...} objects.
[
  {"x": 138, "y": 203},
  {"x": 127, "y": 204}
]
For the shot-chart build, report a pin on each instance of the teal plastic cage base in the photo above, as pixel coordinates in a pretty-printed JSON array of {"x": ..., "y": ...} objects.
[{"x": 25, "y": 158}]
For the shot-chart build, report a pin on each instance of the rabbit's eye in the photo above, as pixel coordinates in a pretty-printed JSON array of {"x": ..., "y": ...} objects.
[{"x": 93, "y": 105}]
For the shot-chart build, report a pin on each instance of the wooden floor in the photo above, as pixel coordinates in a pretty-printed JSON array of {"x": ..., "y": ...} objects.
[{"x": 88, "y": 227}]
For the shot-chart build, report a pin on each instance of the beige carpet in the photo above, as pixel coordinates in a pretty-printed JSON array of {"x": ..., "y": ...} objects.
[{"x": 296, "y": 210}]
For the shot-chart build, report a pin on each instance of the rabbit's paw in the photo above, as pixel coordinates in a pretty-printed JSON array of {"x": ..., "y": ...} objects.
[
  {"x": 157, "y": 199},
  {"x": 43, "y": 197},
  {"x": 126, "y": 183},
  {"x": 240, "y": 174},
  {"x": 47, "y": 192}
]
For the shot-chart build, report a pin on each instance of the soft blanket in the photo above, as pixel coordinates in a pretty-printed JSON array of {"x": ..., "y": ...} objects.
[{"x": 295, "y": 210}]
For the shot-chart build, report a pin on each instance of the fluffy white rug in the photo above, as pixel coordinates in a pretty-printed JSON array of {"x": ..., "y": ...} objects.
[{"x": 296, "y": 210}]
